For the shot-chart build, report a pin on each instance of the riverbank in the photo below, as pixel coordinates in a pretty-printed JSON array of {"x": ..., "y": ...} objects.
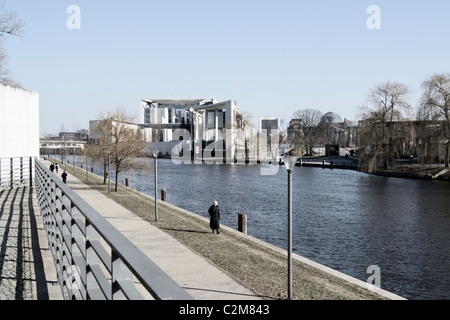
[
  {"x": 416, "y": 171},
  {"x": 255, "y": 264},
  {"x": 410, "y": 171}
]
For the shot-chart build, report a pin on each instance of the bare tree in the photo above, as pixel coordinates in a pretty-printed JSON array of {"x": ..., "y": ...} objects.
[
  {"x": 388, "y": 105},
  {"x": 245, "y": 125},
  {"x": 118, "y": 135},
  {"x": 310, "y": 131},
  {"x": 99, "y": 146},
  {"x": 10, "y": 25},
  {"x": 435, "y": 106}
]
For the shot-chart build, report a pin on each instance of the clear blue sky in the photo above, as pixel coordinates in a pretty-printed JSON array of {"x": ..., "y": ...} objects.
[{"x": 279, "y": 56}]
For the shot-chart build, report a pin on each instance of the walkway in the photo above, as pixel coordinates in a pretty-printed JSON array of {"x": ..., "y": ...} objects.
[
  {"x": 201, "y": 279},
  {"x": 26, "y": 267}
]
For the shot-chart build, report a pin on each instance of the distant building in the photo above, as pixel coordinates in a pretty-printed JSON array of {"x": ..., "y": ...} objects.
[
  {"x": 206, "y": 121},
  {"x": 340, "y": 132},
  {"x": 332, "y": 117},
  {"x": 269, "y": 129},
  {"x": 80, "y": 135},
  {"x": 337, "y": 132},
  {"x": 95, "y": 135},
  {"x": 65, "y": 142},
  {"x": 294, "y": 128}
]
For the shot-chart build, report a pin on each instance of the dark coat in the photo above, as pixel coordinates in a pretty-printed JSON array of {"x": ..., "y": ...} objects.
[{"x": 214, "y": 213}]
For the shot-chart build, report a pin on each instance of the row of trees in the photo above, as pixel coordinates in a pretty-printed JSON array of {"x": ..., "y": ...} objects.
[{"x": 391, "y": 129}]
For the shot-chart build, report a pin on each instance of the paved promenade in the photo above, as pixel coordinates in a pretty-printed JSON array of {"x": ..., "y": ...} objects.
[{"x": 26, "y": 266}]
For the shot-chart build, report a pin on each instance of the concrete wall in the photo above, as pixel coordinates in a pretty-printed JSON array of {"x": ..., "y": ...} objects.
[{"x": 19, "y": 122}]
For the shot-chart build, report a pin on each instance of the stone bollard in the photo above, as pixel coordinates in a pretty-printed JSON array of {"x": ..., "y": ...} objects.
[
  {"x": 164, "y": 195},
  {"x": 242, "y": 223}
]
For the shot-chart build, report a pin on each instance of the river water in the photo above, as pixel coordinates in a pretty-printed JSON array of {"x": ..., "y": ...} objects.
[{"x": 343, "y": 219}]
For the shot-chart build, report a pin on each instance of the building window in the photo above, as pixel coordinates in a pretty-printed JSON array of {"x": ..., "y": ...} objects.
[{"x": 211, "y": 119}]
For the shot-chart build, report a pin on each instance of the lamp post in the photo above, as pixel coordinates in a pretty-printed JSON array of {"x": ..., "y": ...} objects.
[
  {"x": 109, "y": 172},
  {"x": 289, "y": 163},
  {"x": 155, "y": 155}
]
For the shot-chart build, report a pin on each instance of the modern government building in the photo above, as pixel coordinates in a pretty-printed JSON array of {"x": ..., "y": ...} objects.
[{"x": 208, "y": 123}]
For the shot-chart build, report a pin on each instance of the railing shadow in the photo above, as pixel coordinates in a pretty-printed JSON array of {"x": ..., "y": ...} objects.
[
  {"x": 41, "y": 279},
  {"x": 20, "y": 201},
  {"x": 185, "y": 230}
]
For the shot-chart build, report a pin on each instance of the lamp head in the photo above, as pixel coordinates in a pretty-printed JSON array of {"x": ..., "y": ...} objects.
[
  {"x": 155, "y": 153},
  {"x": 289, "y": 162}
]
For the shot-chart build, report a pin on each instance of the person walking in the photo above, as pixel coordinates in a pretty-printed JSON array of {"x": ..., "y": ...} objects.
[
  {"x": 56, "y": 168},
  {"x": 64, "y": 176},
  {"x": 214, "y": 213},
  {"x": 52, "y": 167}
]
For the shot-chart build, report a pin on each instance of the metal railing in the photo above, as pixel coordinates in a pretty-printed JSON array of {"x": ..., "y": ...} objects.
[
  {"x": 93, "y": 260},
  {"x": 16, "y": 172}
]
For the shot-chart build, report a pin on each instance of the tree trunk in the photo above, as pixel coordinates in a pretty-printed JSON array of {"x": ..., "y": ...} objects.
[
  {"x": 447, "y": 155},
  {"x": 117, "y": 181},
  {"x": 105, "y": 173}
]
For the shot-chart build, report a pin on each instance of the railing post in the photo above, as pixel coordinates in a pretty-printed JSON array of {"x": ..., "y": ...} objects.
[
  {"x": 11, "y": 168},
  {"x": 21, "y": 170},
  {"x": 31, "y": 171},
  {"x": 242, "y": 223}
]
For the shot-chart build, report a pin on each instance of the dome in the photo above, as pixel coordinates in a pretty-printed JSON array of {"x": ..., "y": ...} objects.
[{"x": 331, "y": 117}]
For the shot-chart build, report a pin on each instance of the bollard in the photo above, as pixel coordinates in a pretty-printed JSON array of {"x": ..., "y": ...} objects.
[
  {"x": 92, "y": 169},
  {"x": 127, "y": 182},
  {"x": 242, "y": 223},
  {"x": 164, "y": 195}
]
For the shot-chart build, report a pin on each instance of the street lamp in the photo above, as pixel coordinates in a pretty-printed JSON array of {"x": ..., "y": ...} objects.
[
  {"x": 109, "y": 172},
  {"x": 289, "y": 163},
  {"x": 155, "y": 155}
]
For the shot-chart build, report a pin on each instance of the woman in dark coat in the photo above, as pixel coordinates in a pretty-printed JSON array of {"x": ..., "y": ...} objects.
[{"x": 215, "y": 217}]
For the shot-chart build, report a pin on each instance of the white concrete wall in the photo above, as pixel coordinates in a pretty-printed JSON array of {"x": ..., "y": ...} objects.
[{"x": 19, "y": 122}]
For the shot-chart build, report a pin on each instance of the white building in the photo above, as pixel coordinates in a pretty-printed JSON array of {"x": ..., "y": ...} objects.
[
  {"x": 206, "y": 120},
  {"x": 19, "y": 122},
  {"x": 269, "y": 129}
]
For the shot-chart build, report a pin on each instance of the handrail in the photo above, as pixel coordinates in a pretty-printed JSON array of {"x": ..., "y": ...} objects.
[
  {"x": 16, "y": 171},
  {"x": 93, "y": 260}
]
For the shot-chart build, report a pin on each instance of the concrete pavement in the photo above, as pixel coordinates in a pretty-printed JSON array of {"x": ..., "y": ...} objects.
[{"x": 27, "y": 271}]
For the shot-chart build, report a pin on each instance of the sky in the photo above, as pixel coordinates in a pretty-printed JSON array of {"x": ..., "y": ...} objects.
[{"x": 273, "y": 57}]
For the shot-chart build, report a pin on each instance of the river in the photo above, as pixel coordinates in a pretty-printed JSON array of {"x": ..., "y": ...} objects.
[{"x": 343, "y": 219}]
